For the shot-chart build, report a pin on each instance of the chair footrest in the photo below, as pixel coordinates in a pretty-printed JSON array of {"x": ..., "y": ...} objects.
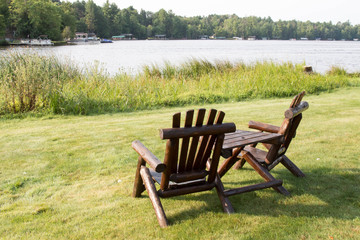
[{"x": 251, "y": 188}]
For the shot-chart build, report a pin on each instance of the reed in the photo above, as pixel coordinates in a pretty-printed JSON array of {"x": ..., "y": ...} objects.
[{"x": 31, "y": 82}]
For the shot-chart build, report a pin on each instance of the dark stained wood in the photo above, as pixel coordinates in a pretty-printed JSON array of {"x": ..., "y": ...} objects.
[
  {"x": 195, "y": 140},
  {"x": 272, "y": 153},
  {"x": 263, "y": 171},
  {"x": 232, "y": 141},
  {"x": 185, "y": 142},
  {"x": 168, "y": 162},
  {"x": 150, "y": 158},
  {"x": 188, "y": 176},
  {"x": 150, "y": 187},
  {"x": 138, "y": 183},
  {"x": 292, "y": 131},
  {"x": 299, "y": 99},
  {"x": 170, "y": 133},
  {"x": 209, "y": 147},
  {"x": 225, "y": 202},
  {"x": 186, "y": 173},
  {"x": 215, "y": 160},
  {"x": 188, "y": 190},
  {"x": 251, "y": 188},
  {"x": 263, "y": 161},
  {"x": 308, "y": 69},
  {"x": 291, "y": 167},
  {"x": 176, "y": 124},
  {"x": 204, "y": 141},
  {"x": 293, "y": 112},
  {"x": 229, "y": 162},
  {"x": 264, "y": 127}
]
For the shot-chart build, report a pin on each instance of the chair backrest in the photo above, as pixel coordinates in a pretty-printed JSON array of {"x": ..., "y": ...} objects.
[
  {"x": 189, "y": 148},
  {"x": 288, "y": 127}
]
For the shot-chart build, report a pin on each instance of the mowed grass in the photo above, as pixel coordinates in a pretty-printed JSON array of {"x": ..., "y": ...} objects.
[{"x": 71, "y": 177}]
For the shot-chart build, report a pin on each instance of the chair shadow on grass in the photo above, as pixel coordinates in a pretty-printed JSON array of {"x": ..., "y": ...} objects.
[{"x": 324, "y": 192}]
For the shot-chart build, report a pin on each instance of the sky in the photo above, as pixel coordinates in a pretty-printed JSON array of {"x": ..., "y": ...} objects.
[{"x": 313, "y": 10}]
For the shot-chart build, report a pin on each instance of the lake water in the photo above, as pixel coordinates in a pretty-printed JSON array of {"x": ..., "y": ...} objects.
[{"x": 131, "y": 56}]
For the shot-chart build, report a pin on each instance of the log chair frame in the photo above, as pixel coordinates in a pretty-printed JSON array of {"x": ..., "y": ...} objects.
[
  {"x": 188, "y": 168},
  {"x": 276, "y": 155}
]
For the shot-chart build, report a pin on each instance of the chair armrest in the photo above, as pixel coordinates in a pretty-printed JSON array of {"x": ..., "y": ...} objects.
[
  {"x": 264, "y": 127},
  {"x": 148, "y": 156}
]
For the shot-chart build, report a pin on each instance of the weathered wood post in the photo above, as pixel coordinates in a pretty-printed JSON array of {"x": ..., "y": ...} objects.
[{"x": 308, "y": 69}]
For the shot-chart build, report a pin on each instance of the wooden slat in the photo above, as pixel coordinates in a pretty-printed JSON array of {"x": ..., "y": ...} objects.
[
  {"x": 215, "y": 159},
  {"x": 238, "y": 133},
  {"x": 204, "y": 141},
  {"x": 241, "y": 136},
  {"x": 251, "y": 138},
  {"x": 247, "y": 136},
  {"x": 195, "y": 140},
  {"x": 185, "y": 142},
  {"x": 293, "y": 102},
  {"x": 188, "y": 176},
  {"x": 272, "y": 154},
  {"x": 211, "y": 141},
  {"x": 176, "y": 124},
  {"x": 298, "y": 101},
  {"x": 291, "y": 132}
]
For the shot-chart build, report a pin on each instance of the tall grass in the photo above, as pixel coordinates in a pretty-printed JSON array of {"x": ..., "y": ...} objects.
[{"x": 30, "y": 82}]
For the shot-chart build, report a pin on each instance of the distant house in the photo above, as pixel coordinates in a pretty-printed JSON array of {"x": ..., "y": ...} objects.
[
  {"x": 81, "y": 36},
  {"x": 127, "y": 36},
  {"x": 160, "y": 37},
  {"x": 217, "y": 37},
  {"x": 203, "y": 37}
]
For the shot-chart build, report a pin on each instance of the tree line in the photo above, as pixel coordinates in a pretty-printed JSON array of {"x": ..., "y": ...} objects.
[{"x": 61, "y": 19}]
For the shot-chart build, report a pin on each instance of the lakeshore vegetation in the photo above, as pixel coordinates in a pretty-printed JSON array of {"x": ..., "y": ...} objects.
[
  {"x": 61, "y": 19},
  {"x": 71, "y": 177},
  {"x": 43, "y": 84}
]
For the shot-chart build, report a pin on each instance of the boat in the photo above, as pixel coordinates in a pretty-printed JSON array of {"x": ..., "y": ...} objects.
[
  {"x": 104, "y": 40},
  {"x": 42, "y": 40}
]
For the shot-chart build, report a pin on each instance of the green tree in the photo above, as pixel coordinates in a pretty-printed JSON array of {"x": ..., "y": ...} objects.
[
  {"x": 2, "y": 26},
  {"x": 32, "y": 18},
  {"x": 68, "y": 19},
  {"x": 90, "y": 15}
]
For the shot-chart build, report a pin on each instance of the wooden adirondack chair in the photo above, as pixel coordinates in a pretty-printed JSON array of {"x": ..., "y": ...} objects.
[
  {"x": 190, "y": 170},
  {"x": 275, "y": 155}
]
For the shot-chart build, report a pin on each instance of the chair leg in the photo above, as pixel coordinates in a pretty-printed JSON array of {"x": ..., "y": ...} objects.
[
  {"x": 138, "y": 183},
  {"x": 239, "y": 164},
  {"x": 264, "y": 173},
  {"x": 229, "y": 162},
  {"x": 226, "y": 204},
  {"x": 291, "y": 167},
  {"x": 154, "y": 198}
]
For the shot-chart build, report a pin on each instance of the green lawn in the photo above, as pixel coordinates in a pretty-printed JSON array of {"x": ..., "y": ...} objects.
[{"x": 70, "y": 177}]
